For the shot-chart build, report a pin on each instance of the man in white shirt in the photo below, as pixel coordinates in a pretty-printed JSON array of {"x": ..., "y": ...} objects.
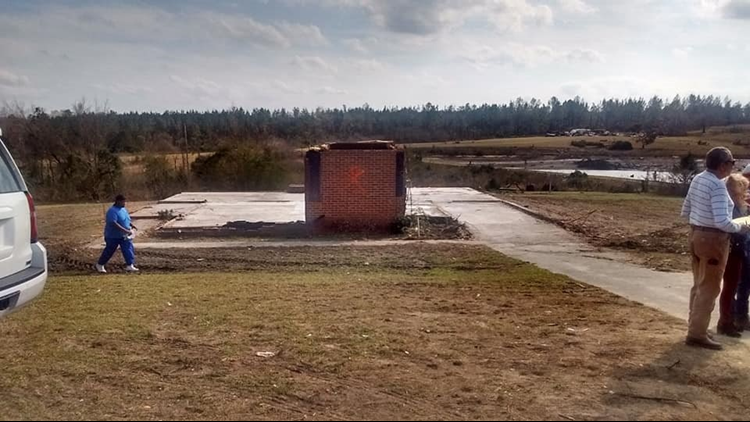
[{"x": 709, "y": 208}]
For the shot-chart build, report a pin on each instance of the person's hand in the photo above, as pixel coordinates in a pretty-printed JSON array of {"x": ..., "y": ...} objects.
[
  {"x": 130, "y": 232},
  {"x": 745, "y": 229}
]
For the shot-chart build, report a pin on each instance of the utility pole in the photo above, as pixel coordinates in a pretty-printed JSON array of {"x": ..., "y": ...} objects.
[{"x": 185, "y": 151}]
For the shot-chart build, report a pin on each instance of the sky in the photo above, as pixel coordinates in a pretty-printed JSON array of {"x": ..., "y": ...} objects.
[{"x": 202, "y": 55}]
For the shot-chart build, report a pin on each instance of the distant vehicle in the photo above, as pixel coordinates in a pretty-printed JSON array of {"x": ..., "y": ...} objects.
[
  {"x": 23, "y": 260},
  {"x": 580, "y": 132}
]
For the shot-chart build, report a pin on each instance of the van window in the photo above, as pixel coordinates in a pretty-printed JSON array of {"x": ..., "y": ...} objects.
[{"x": 8, "y": 181}]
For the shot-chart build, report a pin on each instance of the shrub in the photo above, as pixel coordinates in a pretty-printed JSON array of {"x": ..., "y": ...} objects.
[
  {"x": 492, "y": 185},
  {"x": 577, "y": 180},
  {"x": 245, "y": 168},
  {"x": 582, "y": 143},
  {"x": 579, "y": 143},
  {"x": 162, "y": 179},
  {"x": 596, "y": 164},
  {"x": 621, "y": 146}
]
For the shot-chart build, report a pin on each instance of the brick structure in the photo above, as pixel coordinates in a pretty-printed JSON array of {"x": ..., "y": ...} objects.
[{"x": 355, "y": 186}]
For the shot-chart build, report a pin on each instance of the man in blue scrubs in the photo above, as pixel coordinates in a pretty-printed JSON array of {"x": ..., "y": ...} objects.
[{"x": 118, "y": 233}]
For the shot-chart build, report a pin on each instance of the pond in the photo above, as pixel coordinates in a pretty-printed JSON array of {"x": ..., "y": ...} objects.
[{"x": 662, "y": 176}]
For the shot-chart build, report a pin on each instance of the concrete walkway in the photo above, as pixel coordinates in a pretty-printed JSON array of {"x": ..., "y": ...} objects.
[{"x": 521, "y": 236}]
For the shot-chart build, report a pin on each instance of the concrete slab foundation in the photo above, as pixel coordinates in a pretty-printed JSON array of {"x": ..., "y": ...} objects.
[{"x": 222, "y": 213}]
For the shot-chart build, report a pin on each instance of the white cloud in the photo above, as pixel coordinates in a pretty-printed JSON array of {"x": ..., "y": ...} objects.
[
  {"x": 328, "y": 90},
  {"x": 309, "y": 35},
  {"x": 430, "y": 80},
  {"x": 146, "y": 23},
  {"x": 386, "y": 52},
  {"x": 585, "y": 55},
  {"x": 248, "y": 29},
  {"x": 198, "y": 86},
  {"x": 371, "y": 65},
  {"x": 737, "y": 9},
  {"x": 576, "y": 6},
  {"x": 356, "y": 45},
  {"x": 127, "y": 89},
  {"x": 281, "y": 34},
  {"x": 428, "y": 17},
  {"x": 682, "y": 52},
  {"x": 313, "y": 63},
  {"x": 10, "y": 79},
  {"x": 285, "y": 87},
  {"x": 730, "y": 9},
  {"x": 523, "y": 55},
  {"x": 595, "y": 89}
]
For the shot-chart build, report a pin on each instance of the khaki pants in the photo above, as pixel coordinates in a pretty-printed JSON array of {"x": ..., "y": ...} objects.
[{"x": 710, "y": 252}]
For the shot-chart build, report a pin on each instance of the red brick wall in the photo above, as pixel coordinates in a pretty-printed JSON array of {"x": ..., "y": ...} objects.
[{"x": 357, "y": 188}]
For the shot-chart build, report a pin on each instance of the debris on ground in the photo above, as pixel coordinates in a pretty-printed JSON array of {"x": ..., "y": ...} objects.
[{"x": 425, "y": 227}]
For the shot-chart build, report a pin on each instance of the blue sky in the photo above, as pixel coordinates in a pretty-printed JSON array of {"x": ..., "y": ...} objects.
[{"x": 159, "y": 55}]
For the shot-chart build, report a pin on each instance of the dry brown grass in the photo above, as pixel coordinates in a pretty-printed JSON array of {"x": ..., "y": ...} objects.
[
  {"x": 409, "y": 332},
  {"x": 694, "y": 142},
  {"x": 73, "y": 225},
  {"x": 474, "y": 336},
  {"x": 133, "y": 165}
]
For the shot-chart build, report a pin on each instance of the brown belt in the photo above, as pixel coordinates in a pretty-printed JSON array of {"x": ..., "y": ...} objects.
[{"x": 708, "y": 229}]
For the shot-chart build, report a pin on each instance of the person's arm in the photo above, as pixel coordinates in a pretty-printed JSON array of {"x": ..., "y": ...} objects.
[
  {"x": 686, "y": 207},
  {"x": 722, "y": 217},
  {"x": 123, "y": 229}
]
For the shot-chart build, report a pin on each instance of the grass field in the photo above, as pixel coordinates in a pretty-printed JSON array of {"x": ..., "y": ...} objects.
[
  {"x": 133, "y": 163},
  {"x": 74, "y": 224},
  {"x": 694, "y": 142},
  {"x": 406, "y": 332},
  {"x": 473, "y": 336}
]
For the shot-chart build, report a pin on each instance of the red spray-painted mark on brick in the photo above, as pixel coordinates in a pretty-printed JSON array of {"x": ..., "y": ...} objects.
[{"x": 354, "y": 175}]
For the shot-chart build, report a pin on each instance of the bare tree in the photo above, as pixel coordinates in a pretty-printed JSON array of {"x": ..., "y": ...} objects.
[
  {"x": 683, "y": 172},
  {"x": 646, "y": 138}
]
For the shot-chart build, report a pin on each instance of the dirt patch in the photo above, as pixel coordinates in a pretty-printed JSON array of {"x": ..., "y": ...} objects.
[
  {"x": 648, "y": 227},
  {"x": 418, "y": 256},
  {"x": 422, "y": 333},
  {"x": 411, "y": 227}
]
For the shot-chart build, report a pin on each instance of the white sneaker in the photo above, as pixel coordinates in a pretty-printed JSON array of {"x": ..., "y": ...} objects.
[
  {"x": 131, "y": 269},
  {"x": 100, "y": 269}
]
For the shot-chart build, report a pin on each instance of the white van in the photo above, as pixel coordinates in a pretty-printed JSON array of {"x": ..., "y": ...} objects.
[{"x": 23, "y": 260}]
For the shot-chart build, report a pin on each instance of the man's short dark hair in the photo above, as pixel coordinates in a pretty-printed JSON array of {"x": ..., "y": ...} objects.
[
  {"x": 119, "y": 198},
  {"x": 717, "y": 157}
]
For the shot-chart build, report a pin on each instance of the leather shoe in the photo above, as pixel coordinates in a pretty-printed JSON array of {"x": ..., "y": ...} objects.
[
  {"x": 704, "y": 344},
  {"x": 729, "y": 330},
  {"x": 743, "y": 324}
]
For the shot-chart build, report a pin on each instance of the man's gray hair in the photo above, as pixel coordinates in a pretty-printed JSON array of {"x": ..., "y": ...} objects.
[{"x": 717, "y": 157}]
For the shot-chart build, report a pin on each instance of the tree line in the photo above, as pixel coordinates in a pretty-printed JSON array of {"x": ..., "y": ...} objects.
[
  {"x": 75, "y": 151},
  {"x": 82, "y": 127}
]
